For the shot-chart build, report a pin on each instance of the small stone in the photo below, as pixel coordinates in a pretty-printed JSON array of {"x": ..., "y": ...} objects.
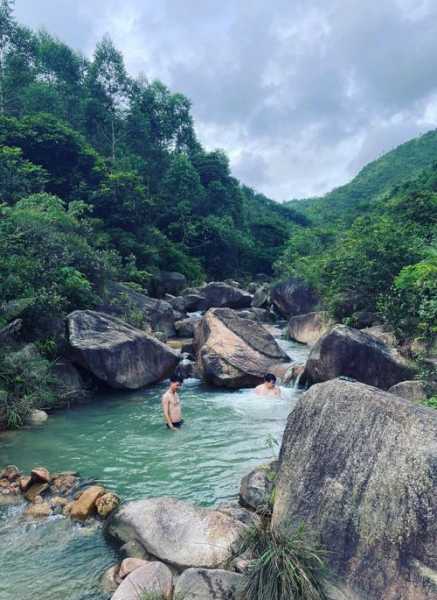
[
  {"x": 62, "y": 483},
  {"x": 106, "y": 504},
  {"x": 38, "y": 511},
  {"x": 67, "y": 509},
  {"x": 37, "y": 489},
  {"x": 84, "y": 506},
  {"x": 58, "y": 501},
  {"x": 36, "y": 417},
  {"x": 40, "y": 474},
  {"x": 110, "y": 580},
  {"x": 130, "y": 564},
  {"x": 152, "y": 579},
  {"x": 11, "y": 472},
  {"x": 24, "y": 483}
]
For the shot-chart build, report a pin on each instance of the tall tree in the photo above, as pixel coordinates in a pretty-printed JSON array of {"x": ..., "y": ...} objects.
[{"x": 109, "y": 86}]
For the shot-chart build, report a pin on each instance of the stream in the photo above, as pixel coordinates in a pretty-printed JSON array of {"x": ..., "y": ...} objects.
[{"x": 119, "y": 439}]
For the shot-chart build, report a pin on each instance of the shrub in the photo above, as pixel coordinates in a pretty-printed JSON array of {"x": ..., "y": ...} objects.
[{"x": 284, "y": 567}]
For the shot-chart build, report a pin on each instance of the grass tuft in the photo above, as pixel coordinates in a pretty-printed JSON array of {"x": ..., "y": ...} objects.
[{"x": 284, "y": 568}]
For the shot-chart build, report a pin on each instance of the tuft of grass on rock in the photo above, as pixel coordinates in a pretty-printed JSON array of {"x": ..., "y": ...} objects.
[{"x": 284, "y": 567}]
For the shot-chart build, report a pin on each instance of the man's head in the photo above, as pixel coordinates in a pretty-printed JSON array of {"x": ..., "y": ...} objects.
[
  {"x": 270, "y": 380},
  {"x": 176, "y": 382}
]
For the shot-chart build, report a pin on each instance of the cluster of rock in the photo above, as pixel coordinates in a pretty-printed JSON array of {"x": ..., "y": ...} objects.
[
  {"x": 47, "y": 494},
  {"x": 179, "y": 550}
]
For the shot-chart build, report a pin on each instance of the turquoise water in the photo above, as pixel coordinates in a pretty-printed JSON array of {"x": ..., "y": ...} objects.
[{"x": 120, "y": 440}]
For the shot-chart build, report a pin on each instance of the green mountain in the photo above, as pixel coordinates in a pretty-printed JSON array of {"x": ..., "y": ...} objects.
[{"x": 378, "y": 177}]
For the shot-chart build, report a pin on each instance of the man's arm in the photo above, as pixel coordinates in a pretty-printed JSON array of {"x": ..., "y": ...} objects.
[{"x": 165, "y": 408}]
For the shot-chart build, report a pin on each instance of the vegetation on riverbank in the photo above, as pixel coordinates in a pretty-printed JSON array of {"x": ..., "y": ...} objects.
[{"x": 373, "y": 248}]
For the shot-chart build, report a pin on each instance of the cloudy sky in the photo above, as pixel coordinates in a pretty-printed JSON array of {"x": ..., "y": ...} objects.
[{"x": 300, "y": 93}]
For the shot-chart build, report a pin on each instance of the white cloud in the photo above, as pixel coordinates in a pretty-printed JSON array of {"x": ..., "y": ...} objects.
[{"x": 299, "y": 94}]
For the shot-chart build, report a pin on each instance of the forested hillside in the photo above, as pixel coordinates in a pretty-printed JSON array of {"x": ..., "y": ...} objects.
[
  {"x": 102, "y": 175},
  {"x": 397, "y": 166},
  {"x": 370, "y": 251}
]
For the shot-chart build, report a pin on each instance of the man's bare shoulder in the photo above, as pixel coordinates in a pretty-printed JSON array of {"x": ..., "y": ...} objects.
[
  {"x": 166, "y": 396},
  {"x": 259, "y": 389}
]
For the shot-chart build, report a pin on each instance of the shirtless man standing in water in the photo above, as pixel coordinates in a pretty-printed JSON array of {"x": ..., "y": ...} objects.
[
  {"x": 269, "y": 387},
  {"x": 171, "y": 404}
]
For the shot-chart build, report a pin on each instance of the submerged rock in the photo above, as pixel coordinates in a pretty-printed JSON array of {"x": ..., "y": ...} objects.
[
  {"x": 178, "y": 532},
  {"x": 308, "y": 328},
  {"x": 235, "y": 352},
  {"x": 38, "y": 510},
  {"x": 117, "y": 353},
  {"x": 293, "y": 297},
  {"x": 358, "y": 466},
  {"x": 209, "y": 584},
  {"x": 352, "y": 353}
]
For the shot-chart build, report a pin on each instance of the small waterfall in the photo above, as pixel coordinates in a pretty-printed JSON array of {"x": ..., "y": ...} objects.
[{"x": 297, "y": 381}]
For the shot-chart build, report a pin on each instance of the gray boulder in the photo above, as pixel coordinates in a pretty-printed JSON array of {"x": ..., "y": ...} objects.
[
  {"x": 169, "y": 282},
  {"x": 256, "y": 488},
  {"x": 209, "y": 584},
  {"x": 134, "y": 308},
  {"x": 261, "y": 297},
  {"x": 234, "y": 352},
  {"x": 116, "y": 353},
  {"x": 36, "y": 417},
  {"x": 307, "y": 329},
  {"x": 413, "y": 390},
  {"x": 221, "y": 295},
  {"x": 177, "y": 532},
  {"x": 352, "y": 353},
  {"x": 71, "y": 386},
  {"x": 186, "y": 327},
  {"x": 293, "y": 297},
  {"x": 152, "y": 579},
  {"x": 358, "y": 467},
  {"x": 186, "y": 368}
]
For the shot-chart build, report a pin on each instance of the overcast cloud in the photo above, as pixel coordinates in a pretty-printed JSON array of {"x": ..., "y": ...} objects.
[{"x": 300, "y": 93}]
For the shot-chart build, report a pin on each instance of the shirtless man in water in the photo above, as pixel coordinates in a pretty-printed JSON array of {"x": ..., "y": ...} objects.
[
  {"x": 269, "y": 387},
  {"x": 171, "y": 404}
]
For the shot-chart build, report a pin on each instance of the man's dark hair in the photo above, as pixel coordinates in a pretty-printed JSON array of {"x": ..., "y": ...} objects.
[
  {"x": 270, "y": 378},
  {"x": 176, "y": 379}
]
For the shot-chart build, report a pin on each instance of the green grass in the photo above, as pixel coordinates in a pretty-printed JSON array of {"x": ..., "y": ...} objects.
[
  {"x": 431, "y": 402},
  {"x": 284, "y": 567}
]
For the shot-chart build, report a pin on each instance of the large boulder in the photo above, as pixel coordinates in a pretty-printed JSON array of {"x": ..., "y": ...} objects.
[
  {"x": 261, "y": 297},
  {"x": 352, "y": 353},
  {"x": 221, "y": 295},
  {"x": 307, "y": 329},
  {"x": 358, "y": 466},
  {"x": 293, "y": 297},
  {"x": 138, "y": 309},
  {"x": 117, "y": 353},
  {"x": 209, "y": 584},
  {"x": 177, "y": 532},
  {"x": 169, "y": 282},
  {"x": 235, "y": 352},
  {"x": 152, "y": 580}
]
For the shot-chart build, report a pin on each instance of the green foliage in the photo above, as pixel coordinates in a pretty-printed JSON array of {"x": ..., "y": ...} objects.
[
  {"x": 47, "y": 255},
  {"x": 284, "y": 567},
  {"x": 383, "y": 262},
  {"x": 25, "y": 383},
  {"x": 430, "y": 402}
]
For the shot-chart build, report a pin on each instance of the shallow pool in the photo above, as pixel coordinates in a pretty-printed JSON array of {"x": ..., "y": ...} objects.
[{"x": 120, "y": 440}]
